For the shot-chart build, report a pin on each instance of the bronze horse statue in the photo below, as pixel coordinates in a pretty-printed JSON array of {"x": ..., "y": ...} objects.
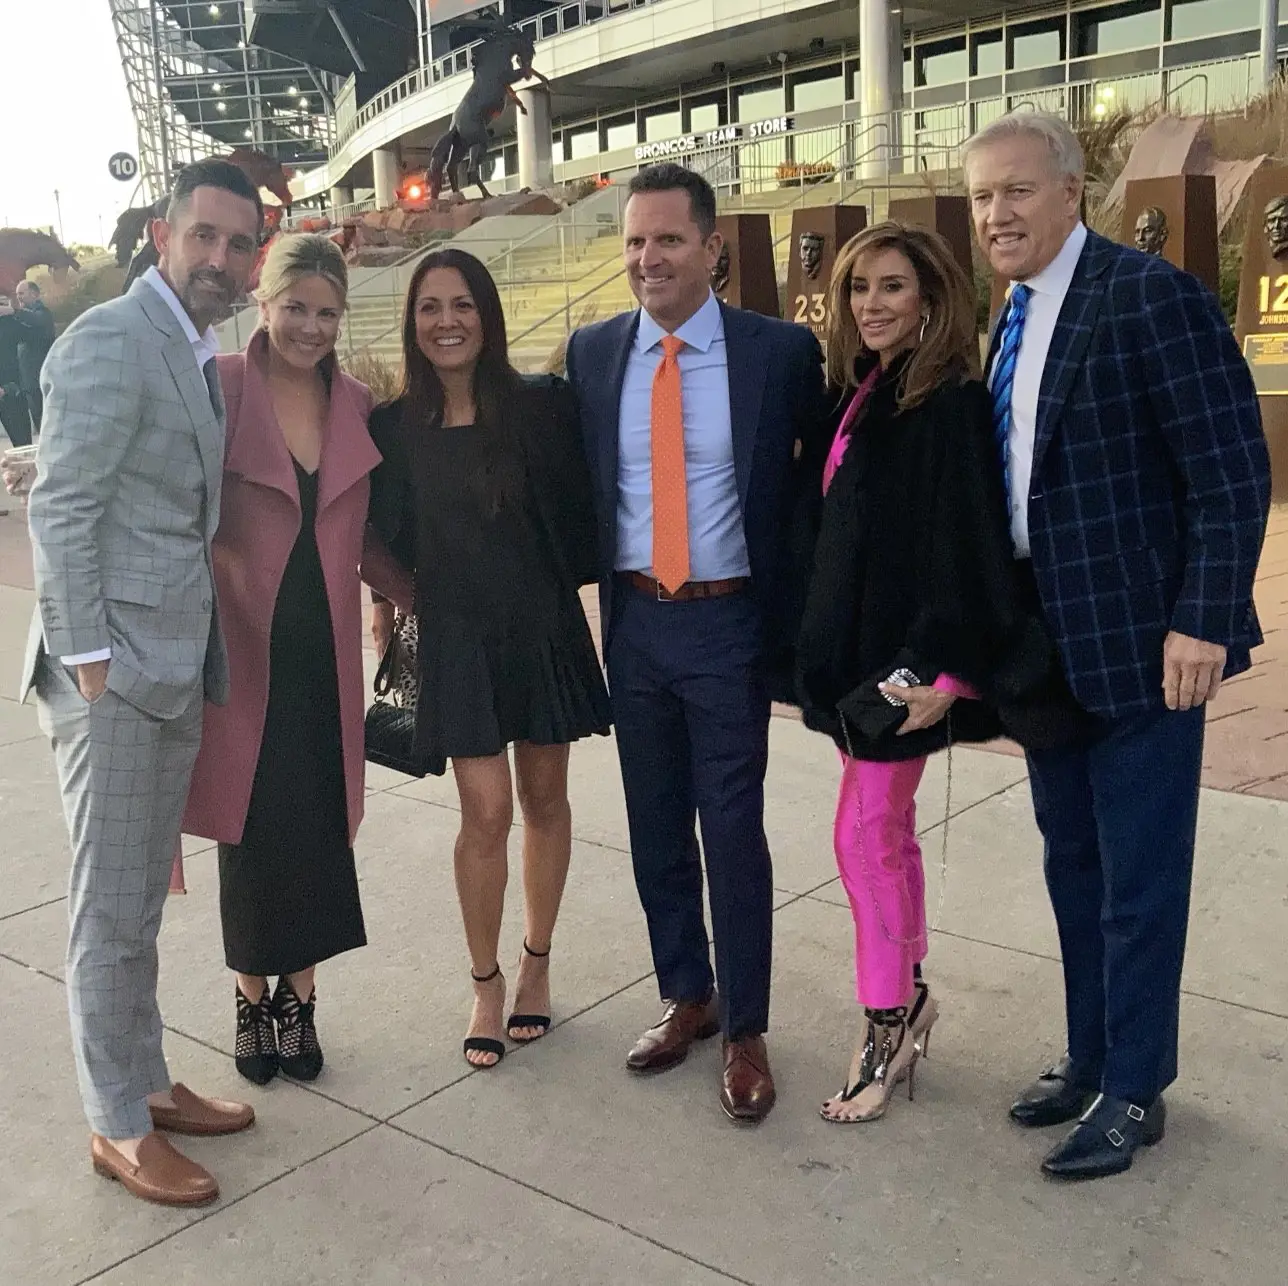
[
  {"x": 468, "y": 138},
  {"x": 135, "y": 224},
  {"x": 22, "y": 248}
]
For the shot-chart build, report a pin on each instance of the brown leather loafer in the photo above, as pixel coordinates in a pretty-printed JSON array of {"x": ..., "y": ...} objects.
[
  {"x": 193, "y": 1114},
  {"x": 667, "y": 1044},
  {"x": 163, "y": 1175},
  {"x": 747, "y": 1090}
]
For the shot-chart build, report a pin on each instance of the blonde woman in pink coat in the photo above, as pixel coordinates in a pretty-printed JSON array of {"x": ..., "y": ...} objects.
[{"x": 279, "y": 780}]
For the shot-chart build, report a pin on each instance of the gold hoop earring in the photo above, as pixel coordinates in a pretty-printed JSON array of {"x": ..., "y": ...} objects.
[{"x": 925, "y": 321}]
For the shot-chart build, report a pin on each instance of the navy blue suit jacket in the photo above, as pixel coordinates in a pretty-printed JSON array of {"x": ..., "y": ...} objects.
[
  {"x": 1151, "y": 478},
  {"x": 775, "y": 401}
]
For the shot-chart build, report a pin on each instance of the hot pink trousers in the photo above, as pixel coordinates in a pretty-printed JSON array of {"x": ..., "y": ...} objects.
[{"x": 880, "y": 864}]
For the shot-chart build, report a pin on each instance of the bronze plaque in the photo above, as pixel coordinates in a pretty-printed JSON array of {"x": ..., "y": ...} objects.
[
  {"x": 817, "y": 234},
  {"x": 1175, "y": 218},
  {"x": 1262, "y": 319},
  {"x": 744, "y": 276},
  {"x": 946, "y": 215},
  {"x": 1267, "y": 358}
]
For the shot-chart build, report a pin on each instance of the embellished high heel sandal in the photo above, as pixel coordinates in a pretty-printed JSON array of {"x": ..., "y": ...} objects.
[{"x": 889, "y": 1056}]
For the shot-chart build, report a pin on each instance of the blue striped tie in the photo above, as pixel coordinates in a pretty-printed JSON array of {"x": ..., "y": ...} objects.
[{"x": 1008, "y": 352}]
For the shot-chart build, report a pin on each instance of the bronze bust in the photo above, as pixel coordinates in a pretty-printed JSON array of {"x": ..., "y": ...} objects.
[
  {"x": 1151, "y": 231},
  {"x": 720, "y": 273},
  {"x": 1275, "y": 227},
  {"x": 811, "y": 252}
]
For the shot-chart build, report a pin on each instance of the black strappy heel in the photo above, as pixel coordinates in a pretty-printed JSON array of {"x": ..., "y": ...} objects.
[
  {"x": 541, "y": 1021},
  {"x": 484, "y": 1044}
]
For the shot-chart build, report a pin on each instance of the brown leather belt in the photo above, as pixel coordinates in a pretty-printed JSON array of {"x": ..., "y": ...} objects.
[{"x": 689, "y": 591}]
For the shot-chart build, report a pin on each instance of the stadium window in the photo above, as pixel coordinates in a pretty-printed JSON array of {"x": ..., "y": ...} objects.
[
  {"x": 1136, "y": 25},
  {"x": 621, "y": 132},
  {"x": 814, "y": 91},
  {"x": 1192, "y": 19},
  {"x": 987, "y": 53},
  {"x": 583, "y": 142},
  {"x": 940, "y": 62},
  {"x": 704, "y": 116},
  {"x": 662, "y": 123},
  {"x": 760, "y": 102},
  {"x": 1037, "y": 44}
]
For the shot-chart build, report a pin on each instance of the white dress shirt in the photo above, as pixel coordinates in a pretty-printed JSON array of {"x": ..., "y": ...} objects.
[
  {"x": 1049, "y": 288},
  {"x": 204, "y": 348},
  {"x": 717, "y": 541}
]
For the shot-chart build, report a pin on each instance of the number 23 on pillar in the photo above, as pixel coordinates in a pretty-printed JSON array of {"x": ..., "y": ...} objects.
[{"x": 812, "y": 309}]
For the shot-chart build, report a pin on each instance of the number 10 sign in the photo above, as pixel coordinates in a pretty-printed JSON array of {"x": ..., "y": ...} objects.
[{"x": 122, "y": 166}]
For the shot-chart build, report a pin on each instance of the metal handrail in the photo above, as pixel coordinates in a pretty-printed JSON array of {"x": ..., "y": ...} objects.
[
  {"x": 1189, "y": 80},
  {"x": 566, "y": 310}
]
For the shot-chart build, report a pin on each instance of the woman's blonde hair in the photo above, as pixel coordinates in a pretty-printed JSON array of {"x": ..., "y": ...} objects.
[
  {"x": 297, "y": 255},
  {"x": 948, "y": 347}
]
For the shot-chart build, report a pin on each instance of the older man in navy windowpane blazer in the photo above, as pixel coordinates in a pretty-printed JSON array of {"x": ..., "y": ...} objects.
[{"x": 1139, "y": 486}]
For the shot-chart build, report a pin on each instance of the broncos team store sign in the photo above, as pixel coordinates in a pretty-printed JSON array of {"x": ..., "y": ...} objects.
[{"x": 686, "y": 143}]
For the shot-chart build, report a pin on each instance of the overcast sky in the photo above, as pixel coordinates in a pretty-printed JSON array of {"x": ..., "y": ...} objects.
[{"x": 63, "y": 112}]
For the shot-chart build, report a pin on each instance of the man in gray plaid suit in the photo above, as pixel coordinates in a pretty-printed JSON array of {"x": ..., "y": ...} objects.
[{"x": 125, "y": 644}]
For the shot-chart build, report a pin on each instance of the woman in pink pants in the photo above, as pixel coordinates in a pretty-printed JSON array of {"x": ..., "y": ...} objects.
[{"x": 912, "y": 631}]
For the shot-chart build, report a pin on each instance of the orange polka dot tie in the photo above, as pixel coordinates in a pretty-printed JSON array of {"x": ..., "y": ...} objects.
[{"x": 670, "y": 485}]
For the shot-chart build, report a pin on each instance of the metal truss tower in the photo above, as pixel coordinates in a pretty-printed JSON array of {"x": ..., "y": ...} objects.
[{"x": 196, "y": 89}]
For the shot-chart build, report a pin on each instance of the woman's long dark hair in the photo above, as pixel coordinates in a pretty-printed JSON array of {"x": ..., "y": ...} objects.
[{"x": 495, "y": 380}]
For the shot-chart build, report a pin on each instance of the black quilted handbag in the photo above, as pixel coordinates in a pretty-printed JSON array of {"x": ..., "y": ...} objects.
[{"x": 391, "y": 718}]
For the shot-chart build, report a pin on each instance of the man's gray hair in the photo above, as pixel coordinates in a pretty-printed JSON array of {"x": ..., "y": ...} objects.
[{"x": 1055, "y": 132}]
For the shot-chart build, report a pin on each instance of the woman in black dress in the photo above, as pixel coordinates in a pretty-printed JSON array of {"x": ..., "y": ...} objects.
[
  {"x": 485, "y": 493},
  {"x": 279, "y": 779}
]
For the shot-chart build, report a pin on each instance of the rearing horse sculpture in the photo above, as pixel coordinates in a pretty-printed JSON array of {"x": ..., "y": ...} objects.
[
  {"x": 468, "y": 138},
  {"x": 21, "y": 248}
]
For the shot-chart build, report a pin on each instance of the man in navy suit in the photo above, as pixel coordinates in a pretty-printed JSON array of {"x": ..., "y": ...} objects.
[
  {"x": 1139, "y": 487},
  {"x": 692, "y": 664}
]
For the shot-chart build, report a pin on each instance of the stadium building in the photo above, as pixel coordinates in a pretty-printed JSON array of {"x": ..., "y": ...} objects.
[
  {"x": 778, "y": 102},
  {"x": 354, "y": 93}
]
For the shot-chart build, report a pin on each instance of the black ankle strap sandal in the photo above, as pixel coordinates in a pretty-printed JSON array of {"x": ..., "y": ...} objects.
[
  {"x": 483, "y": 1044},
  {"x": 517, "y": 1022}
]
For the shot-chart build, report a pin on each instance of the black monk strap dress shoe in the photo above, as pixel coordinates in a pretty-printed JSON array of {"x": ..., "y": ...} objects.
[
  {"x": 1054, "y": 1098},
  {"x": 1106, "y": 1138}
]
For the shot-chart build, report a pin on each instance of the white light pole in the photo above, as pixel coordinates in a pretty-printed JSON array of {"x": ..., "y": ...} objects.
[{"x": 1269, "y": 42}]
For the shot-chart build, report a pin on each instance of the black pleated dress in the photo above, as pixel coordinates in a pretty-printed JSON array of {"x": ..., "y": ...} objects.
[
  {"x": 288, "y": 893},
  {"x": 507, "y": 655}
]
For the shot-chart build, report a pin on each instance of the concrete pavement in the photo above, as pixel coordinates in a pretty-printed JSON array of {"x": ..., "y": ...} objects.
[{"x": 401, "y": 1166}]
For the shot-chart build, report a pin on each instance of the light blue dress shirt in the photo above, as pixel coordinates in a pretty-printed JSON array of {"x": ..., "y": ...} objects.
[{"x": 717, "y": 543}]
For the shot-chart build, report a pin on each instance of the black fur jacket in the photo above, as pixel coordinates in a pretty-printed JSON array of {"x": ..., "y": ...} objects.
[{"x": 911, "y": 565}]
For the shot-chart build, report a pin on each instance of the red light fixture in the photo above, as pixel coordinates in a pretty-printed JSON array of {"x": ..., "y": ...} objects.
[{"x": 414, "y": 193}]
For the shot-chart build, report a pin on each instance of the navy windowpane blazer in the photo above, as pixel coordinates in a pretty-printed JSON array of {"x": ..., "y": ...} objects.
[{"x": 1151, "y": 478}]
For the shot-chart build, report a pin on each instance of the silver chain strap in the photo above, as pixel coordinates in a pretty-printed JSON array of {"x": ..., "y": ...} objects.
[{"x": 943, "y": 855}]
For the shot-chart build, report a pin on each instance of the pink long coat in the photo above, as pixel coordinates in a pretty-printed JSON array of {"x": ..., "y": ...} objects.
[{"x": 258, "y": 524}]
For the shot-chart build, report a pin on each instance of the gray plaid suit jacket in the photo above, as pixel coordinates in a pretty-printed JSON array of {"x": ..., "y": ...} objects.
[{"x": 125, "y": 506}]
